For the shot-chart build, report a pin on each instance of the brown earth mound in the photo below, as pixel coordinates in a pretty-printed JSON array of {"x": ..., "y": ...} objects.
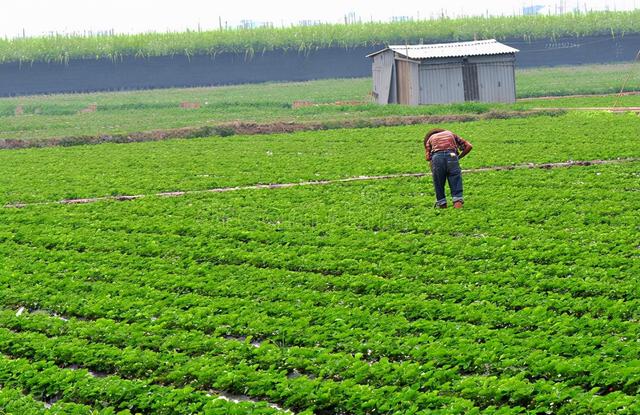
[
  {"x": 89, "y": 109},
  {"x": 190, "y": 105},
  {"x": 251, "y": 128}
]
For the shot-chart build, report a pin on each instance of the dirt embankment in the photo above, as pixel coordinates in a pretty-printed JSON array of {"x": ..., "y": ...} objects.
[{"x": 250, "y": 128}]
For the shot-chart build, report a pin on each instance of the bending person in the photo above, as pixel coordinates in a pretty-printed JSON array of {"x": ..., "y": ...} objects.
[{"x": 443, "y": 150}]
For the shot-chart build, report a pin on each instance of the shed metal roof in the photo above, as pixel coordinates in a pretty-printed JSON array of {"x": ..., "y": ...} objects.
[{"x": 450, "y": 50}]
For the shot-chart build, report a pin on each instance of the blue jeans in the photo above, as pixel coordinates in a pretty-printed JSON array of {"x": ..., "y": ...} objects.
[{"x": 446, "y": 167}]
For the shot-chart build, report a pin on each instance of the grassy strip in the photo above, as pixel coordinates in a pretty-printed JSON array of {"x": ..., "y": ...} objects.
[
  {"x": 55, "y": 173},
  {"x": 126, "y": 113},
  {"x": 239, "y": 128},
  {"x": 582, "y": 79},
  {"x": 305, "y": 39}
]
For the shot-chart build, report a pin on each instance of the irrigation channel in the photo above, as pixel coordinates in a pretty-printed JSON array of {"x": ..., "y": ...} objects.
[{"x": 570, "y": 163}]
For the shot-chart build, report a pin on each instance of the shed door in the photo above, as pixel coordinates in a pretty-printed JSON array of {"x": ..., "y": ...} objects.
[
  {"x": 470, "y": 81},
  {"x": 441, "y": 84},
  {"x": 407, "y": 82},
  {"x": 382, "y": 75},
  {"x": 404, "y": 82}
]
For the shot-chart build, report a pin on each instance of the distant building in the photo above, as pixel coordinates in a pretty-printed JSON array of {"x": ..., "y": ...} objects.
[
  {"x": 532, "y": 10},
  {"x": 309, "y": 22},
  {"x": 252, "y": 24},
  {"x": 481, "y": 71},
  {"x": 247, "y": 24}
]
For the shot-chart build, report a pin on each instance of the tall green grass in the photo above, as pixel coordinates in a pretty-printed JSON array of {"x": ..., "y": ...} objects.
[{"x": 61, "y": 48}]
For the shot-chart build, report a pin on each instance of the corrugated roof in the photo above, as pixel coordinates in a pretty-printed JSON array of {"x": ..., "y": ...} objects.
[{"x": 450, "y": 50}]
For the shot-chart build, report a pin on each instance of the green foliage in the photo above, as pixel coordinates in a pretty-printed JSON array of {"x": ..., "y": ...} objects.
[
  {"x": 582, "y": 79},
  {"x": 203, "y": 163},
  {"x": 61, "y": 48},
  {"x": 351, "y": 298},
  {"x": 122, "y": 113},
  {"x": 355, "y": 298}
]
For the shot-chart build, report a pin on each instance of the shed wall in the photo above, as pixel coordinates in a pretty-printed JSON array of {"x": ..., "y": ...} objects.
[
  {"x": 414, "y": 69},
  {"x": 496, "y": 82},
  {"x": 441, "y": 84},
  {"x": 442, "y": 80},
  {"x": 496, "y": 78}
]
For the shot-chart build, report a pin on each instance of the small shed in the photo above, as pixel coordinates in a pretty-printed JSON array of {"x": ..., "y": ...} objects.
[{"x": 444, "y": 73}]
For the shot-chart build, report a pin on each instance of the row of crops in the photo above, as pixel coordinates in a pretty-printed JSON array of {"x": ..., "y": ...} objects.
[
  {"x": 61, "y": 48},
  {"x": 197, "y": 164},
  {"x": 350, "y": 299},
  {"x": 354, "y": 298}
]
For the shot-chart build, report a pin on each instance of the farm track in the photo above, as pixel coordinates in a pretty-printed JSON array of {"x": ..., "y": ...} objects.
[
  {"x": 606, "y": 109},
  {"x": 571, "y": 163},
  {"x": 252, "y": 128},
  {"x": 548, "y": 97}
]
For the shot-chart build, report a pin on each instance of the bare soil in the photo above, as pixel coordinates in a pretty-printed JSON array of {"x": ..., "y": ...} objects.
[
  {"x": 190, "y": 105},
  {"x": 91, "y": 108}
]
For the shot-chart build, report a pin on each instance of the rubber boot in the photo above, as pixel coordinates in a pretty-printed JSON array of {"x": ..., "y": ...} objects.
[{"x": 458, "y": 204}]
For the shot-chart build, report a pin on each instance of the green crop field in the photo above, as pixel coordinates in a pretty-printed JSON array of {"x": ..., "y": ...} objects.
[
  {"x": 581, "y": 79},
  {"x": 42, "y": 117},
  {"x": 198, "y": 164},
  {"x": 342, "y": 298},
  {"x": 61, "y": 48}
]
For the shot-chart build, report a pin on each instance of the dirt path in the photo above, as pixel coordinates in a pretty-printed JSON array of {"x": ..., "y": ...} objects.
[
  {"x": 551, "y": 97},
  {"x": 606, "y": 109},
  {"x": 572, "y": 163}
]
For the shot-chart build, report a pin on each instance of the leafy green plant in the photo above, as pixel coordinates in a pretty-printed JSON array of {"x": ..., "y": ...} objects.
[{"x": 355, "y": 297}]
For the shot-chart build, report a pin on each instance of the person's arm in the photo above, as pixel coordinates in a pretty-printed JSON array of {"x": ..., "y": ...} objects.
[
  {"x": 464, "y": 146},
  {"x": 427, "y": 151}
]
